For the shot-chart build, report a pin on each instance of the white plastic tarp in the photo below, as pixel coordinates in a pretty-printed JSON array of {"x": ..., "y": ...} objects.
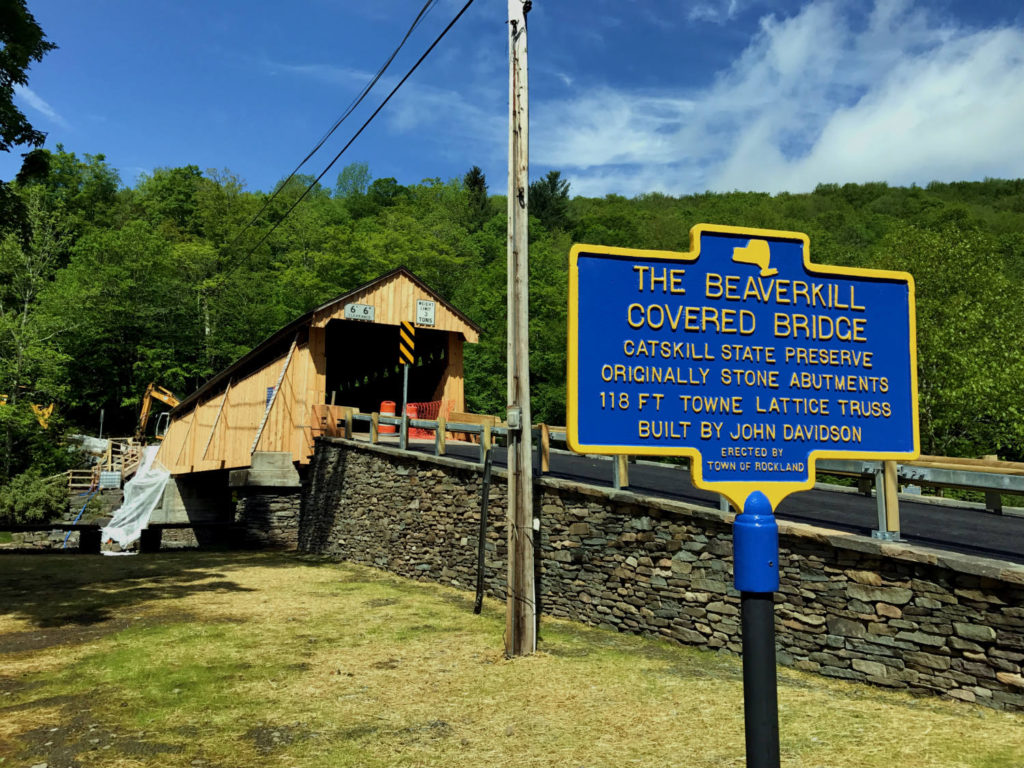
[
  {"x": 94, "y": 445},
  {"x": 141, "y": 495}
]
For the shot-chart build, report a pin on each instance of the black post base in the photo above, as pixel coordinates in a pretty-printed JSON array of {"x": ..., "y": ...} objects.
[{"x": 760, "y": 696}]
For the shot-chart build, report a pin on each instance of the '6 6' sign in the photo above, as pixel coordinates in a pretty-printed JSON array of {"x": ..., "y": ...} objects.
[{"x": 359, "y": 312}]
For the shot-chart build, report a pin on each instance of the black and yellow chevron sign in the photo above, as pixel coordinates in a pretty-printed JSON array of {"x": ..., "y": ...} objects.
[{"x": 406, "y": 343}]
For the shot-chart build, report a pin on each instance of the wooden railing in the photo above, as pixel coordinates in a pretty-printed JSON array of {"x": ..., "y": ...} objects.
[
  {"x": 123, "y": 455},
  {"x": 80, "y": 480}
]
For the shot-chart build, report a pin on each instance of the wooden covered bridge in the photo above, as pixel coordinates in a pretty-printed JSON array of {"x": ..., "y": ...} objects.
[{"x": 344, "y": 352}]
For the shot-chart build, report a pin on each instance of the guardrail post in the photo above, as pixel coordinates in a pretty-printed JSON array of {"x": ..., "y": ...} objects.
[
  {"x": 348, "y": 424},
  {"x": 723, "y": 504},
  {"x": 993, "y": 499},
  {"x": 545, "y": 448},
  {"x": 620, "y": 471},
  {"x": 485, "y": 441},
  {"x": 887, "y": 502},
  {"x": 374, "y": 427},
  {"x": 439, "y": 445},
  {"x": 994, "y": 502},
  {"x": 864, "y": 483}
]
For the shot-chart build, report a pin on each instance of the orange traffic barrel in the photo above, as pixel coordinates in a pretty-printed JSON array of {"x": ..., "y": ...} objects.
[{"x": 387, "y": 408}]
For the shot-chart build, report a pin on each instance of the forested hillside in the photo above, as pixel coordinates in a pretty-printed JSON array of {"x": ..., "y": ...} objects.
[{"x": 106, "y": 287}]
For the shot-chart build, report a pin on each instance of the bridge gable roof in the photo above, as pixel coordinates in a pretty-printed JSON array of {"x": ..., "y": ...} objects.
[{"x": 394, "y": 296}]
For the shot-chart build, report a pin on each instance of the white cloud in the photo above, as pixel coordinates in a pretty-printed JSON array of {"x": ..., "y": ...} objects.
[
  {"x": 419, "y": 108},
  {"x": 610, "y": 127},
  {"x": 36, "y": 102},
  {"x": 717, "y": 12},
  {"x": 456, "y": 123},
  {"x": 954, "y": 113},
  {"x": 818, "y": 97},
  {"x": 331, "y": 74}
]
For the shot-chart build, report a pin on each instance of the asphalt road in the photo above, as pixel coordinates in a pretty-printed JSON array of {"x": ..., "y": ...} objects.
[{"x": 966, "y": 530}]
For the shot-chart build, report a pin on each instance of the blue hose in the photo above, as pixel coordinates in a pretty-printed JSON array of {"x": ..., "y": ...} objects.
[{"x": 80, "y": 513}]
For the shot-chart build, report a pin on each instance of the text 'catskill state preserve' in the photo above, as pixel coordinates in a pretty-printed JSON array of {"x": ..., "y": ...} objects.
[{"x": 743, "y": 354}]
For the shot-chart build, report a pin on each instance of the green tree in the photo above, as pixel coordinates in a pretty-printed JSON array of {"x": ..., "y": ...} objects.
[
  {"x": 968, "y": 343},
  {"x": 13, "y": 217},
  {"x": 475, "y": 183},
  {"x": 21, "y": 42},
  {"x": 385, "y": 192},
  {"x": 168, "y": 199},
  {"x": 125, "y": 310},
  {"x": 32, "y": 498},
  {"x": 549, "y": 201},
  {"x": 353, "y": 180},
  {"x": 486, "y": 361},
  {"x": 32, "y": 365},
  {"x": 86, "y": 191},
  {"x": 549, "y": 300}
]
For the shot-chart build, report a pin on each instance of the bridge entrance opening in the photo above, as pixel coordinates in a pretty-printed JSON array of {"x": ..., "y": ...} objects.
[{"x": 363, "y": 369}]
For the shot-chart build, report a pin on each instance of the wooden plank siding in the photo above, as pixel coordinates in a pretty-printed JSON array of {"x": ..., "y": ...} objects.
[
  {"x": 452, "y": 387},
  {"x": 211, "y": 430},
  {"x": 234, "y": 433},
  {"x": 394, "y": 300}
]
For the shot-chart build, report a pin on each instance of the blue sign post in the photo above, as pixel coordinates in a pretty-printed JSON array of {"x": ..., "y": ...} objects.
[{"x": 753, "y": 361}]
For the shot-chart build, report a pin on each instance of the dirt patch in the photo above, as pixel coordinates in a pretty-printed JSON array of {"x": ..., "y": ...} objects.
[
  {"x": 77, "y": 633},
  {"x": 356, "y": 732},
  {"x": 459, "y": 601},
  {"x": 269, "y": 738},
  {"x": 381, "y": 602},
  {"x": 567, "y": 653},
  {"x": 12, "y": 685},
  {"x": 433, "y": 729},
  {"x": 81, "y": 739},
  {"x": 40, "y": 639}
]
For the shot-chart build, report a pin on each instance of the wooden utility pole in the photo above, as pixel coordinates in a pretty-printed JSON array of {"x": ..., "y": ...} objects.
[{"x": 520, "y": 617}]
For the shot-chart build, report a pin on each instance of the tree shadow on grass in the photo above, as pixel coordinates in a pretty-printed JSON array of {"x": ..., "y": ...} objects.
[{"x": 68, "y": 591}]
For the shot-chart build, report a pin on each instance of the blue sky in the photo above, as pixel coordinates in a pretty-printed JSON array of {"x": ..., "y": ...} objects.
[{"x": 627, "y": 96}]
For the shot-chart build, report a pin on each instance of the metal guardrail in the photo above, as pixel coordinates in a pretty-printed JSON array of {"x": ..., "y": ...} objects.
[
  {"x": 881, "y": 476},
  {"x": 949, "y": 478},
  {"x": 886, "y": 475}
]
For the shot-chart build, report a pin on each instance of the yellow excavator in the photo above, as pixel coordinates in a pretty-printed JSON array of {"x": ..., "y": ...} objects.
[{"x": 153, "y": 392}]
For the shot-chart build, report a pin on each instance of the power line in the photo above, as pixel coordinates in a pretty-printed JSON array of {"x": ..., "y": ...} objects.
[
  {"x": 330, "y": 165},
  {"x": 427, "y": 7}
]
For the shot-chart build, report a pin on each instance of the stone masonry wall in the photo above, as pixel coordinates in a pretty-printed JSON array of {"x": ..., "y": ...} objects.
[
  {"x": 32, "y": 540},
  {"x": 393, "y": 512},
  {"x": 849, "y": 606},
  {"x": 102, "y": 505},
  {"x": 269, "y": 519}
]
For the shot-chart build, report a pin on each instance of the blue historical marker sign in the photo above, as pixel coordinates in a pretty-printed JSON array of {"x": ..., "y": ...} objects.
[{"x": 743, "y": 355}]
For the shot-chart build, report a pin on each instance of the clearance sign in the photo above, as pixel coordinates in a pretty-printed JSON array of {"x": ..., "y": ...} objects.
[{"x": 742, "y": 355}]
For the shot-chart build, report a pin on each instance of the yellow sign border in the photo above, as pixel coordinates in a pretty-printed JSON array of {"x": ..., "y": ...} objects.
[{"x": 736, "y": 492}]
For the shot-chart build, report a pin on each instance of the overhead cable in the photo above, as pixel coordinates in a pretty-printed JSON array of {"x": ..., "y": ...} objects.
[
  {"x": 330, "y": 165},
  {"x": 348, "y": 111}
]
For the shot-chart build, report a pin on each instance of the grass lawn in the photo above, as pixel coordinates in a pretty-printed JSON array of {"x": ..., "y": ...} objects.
[{"x": 228, "y": 659}]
